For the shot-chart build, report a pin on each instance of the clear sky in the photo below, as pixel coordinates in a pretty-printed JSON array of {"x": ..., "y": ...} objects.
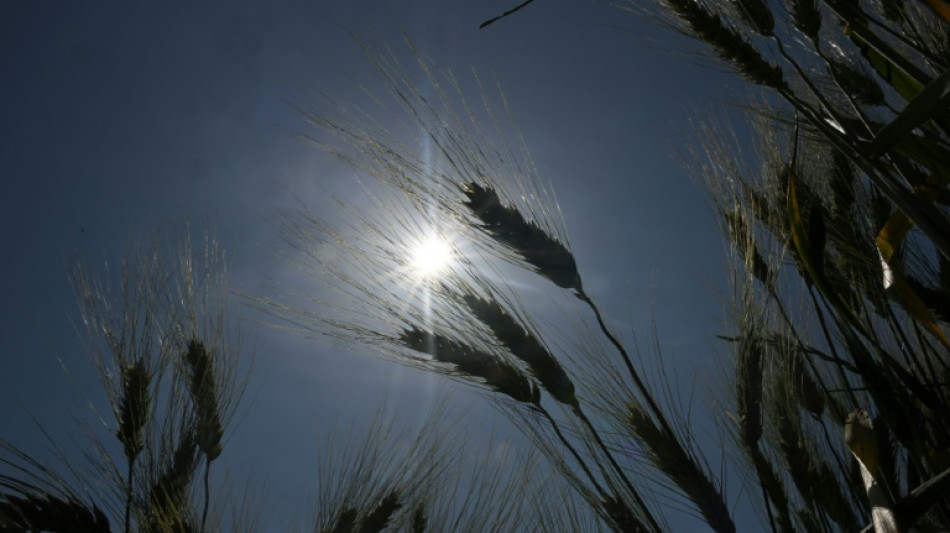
[{"x": 118, "y": 119}]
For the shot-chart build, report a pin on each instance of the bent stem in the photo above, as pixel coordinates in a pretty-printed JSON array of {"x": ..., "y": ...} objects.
[
  {"x": 576, "y": 409},
  {"x": 641, "y": 387},
  {"x": 574, "y": 453}
]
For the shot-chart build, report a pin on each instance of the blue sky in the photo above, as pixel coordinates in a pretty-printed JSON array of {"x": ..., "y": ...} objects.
[{"x": 119, "y": 119}]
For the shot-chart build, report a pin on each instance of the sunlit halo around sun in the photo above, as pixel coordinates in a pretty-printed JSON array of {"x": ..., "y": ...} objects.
[{"x": 431, "y": 257}]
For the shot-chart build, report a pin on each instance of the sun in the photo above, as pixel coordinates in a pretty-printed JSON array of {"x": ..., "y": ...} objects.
[{"x": 431, "y": 257}]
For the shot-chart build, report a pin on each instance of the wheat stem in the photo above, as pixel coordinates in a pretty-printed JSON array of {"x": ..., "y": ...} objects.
[
  {"x": 576, "y": 409},
  {"x": 128, "y": 499},
  {"x": 572, "y": 450},
  {"x": 638, "y": 382},
  {"x": 204, "y": 511}
]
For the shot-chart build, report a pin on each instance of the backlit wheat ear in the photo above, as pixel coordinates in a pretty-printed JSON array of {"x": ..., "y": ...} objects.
[
  {"x": 749, "y": 382},
  {"x": 525, "y": 346},
  {"x": 806, "y": 17},
  {"x": 346, "y": 522},
  {"x": 729, "y": 44},
  {"x": 672, "y": 459},
  {"x": 133, "y": 408},
  {"x": 549, "y": 257},
  {"x": 749, "y": 389},
  {"x": 169, "y": 493},
  {"x": 45, "y": 512},
  {"x": 419, "y": 519},
  {"x": 806, "y": 391},
  {"x": 473, "y": 363},
  {"x": 379, "y": 517},
  {"x": 209, "y": 430},
  {"x": 895, "y": 11},
  {"x": 773, "y": 487},
  {"x": 856, "y": 82},
  {"x": 203, "y": 389},
  {"x": 815, "y": 481},
  {"x": 757, "y": 14},
  {"x": 620, "y": 516},
  {"x": 744, "y": 241}
]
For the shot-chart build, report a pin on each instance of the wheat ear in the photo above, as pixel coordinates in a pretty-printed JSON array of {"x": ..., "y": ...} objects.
[
  {"x": 472, "y": 363},
  {"x": 546, "y": 255}
]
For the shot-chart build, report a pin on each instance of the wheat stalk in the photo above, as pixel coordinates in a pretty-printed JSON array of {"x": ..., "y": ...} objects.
[{"x": 209, "y": 430}]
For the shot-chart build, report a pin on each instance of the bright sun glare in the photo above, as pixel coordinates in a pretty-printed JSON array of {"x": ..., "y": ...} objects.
[{"x": 431, "y": 257}]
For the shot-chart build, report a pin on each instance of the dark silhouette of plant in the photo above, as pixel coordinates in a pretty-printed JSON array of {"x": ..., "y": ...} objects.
[
  {"x": 839, "y": 227},
  {"x": 840, "y": 206},
  {"x": 844, "y": 204},
  {"x": 838, "y": 224},
  {"x": 394, "y": 482},
  {"x": 582, "y": 401},
  {"x": 160, "y": 339}
]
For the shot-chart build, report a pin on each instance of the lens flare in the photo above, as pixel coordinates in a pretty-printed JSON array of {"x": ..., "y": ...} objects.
[{"x": 431, "y": 257}]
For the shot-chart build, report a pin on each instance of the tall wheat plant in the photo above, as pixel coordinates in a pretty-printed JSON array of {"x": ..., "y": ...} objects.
[{"x": 157, "y": 331}]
